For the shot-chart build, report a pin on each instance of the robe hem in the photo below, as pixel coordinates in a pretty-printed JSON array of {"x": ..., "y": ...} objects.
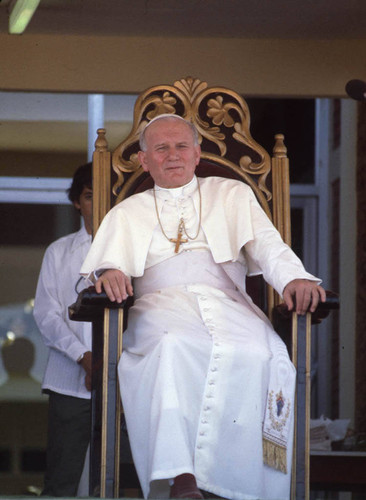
[
  {"x": 232, "y": 495},
  {"x": 222, "y": 492},
  {"x": 170, "y": 474}
]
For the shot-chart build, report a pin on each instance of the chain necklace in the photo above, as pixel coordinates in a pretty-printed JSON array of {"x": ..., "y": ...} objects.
[{"x": 181, "y": 226}]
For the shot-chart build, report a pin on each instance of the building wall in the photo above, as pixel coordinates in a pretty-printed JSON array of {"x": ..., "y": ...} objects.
[{"x": 129, "y": 64}]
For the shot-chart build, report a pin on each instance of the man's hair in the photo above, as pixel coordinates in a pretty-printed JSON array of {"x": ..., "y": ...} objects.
[
  {"x": 82, "y": 178},
  {"x": 167, "y": 116}
]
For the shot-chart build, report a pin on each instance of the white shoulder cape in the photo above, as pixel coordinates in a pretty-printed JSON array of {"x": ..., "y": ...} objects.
[{"x": 231, "y": 218}]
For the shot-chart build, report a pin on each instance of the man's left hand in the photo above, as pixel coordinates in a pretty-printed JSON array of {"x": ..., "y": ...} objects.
[{"x": 306, "y": 293}]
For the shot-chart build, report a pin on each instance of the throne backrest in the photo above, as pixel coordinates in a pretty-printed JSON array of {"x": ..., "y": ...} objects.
[{"x": 222, "y": 119}]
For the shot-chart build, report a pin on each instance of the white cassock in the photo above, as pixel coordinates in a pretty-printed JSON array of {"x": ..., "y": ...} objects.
[{"x": 203, "y": 373}]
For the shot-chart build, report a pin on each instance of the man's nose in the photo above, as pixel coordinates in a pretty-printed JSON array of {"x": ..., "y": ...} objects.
[{"x": 173, "y": 153}]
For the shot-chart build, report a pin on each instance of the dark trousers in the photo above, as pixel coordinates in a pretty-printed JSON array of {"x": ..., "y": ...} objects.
[{"x": 68, "y": 438}]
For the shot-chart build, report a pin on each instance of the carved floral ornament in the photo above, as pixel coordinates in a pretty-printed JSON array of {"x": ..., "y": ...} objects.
[
  {"x": 218, "y": 114},
  {"x": 163, "y": 105}
]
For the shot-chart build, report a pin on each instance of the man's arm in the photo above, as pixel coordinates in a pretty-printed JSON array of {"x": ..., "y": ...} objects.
[
  {"x": 116, "y": 285},
  {"x": 280, "y": 266},
  {"x": 51, "y": 305},
  {"x": 305, "y": 293}
]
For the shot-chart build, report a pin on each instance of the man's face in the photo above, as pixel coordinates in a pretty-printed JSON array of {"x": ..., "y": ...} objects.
[
  {"x": 171, "y": 156},
  {"x": 85, "y": 205}
]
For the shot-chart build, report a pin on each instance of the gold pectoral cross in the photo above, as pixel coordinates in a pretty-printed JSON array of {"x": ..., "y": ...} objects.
[{"x": 178, "y": 240}]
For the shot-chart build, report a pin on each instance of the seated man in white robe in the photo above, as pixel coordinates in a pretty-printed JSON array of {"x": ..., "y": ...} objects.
[{"x": 207, "y": 385}]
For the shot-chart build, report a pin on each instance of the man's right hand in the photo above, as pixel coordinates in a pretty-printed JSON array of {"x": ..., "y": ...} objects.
[
  {"x": 86, "y": 363},
  {"x": 115, "y": 284}
]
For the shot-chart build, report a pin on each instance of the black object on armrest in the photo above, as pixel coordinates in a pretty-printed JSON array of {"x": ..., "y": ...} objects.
[
  {"x": 90, "y": 305},
  {"x": 321, "y": 312}
]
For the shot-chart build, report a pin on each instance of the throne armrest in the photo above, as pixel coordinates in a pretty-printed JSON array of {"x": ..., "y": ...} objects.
[
  {"x": 295, "y": 331},
  {"x": 107, "y": 318},
  {"x": 321, "y": 312},
  {"x": 90, "y": 305}
]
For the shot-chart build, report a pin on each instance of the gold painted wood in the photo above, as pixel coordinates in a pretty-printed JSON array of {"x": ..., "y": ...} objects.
[
  {"x": 222, "y": 119},
  {"x": 101, "y": 179},
  {"x": 281, "y": 189},
  {"x": 307, "y": 405},
  {"x": 281, "y": 195},
  {"x": 118, "y": 409},
  {"x": 294, "y": 333},
  {"x": 104, "y": 430}
]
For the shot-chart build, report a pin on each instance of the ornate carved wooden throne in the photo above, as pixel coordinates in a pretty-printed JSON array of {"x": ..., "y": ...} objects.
[{"x": 222, "y": 119}]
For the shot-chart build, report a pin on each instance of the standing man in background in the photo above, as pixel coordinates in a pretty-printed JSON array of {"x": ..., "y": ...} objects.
[{"x": 67, "y": 377}]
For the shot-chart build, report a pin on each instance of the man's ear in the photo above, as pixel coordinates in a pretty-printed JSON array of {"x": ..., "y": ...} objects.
[
  {"x": 141, "y": 155},
  {"x": 76, "y": 205}
]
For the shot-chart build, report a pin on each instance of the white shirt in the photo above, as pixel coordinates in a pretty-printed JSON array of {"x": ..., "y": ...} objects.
[{"x": 66, "y": 339}]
